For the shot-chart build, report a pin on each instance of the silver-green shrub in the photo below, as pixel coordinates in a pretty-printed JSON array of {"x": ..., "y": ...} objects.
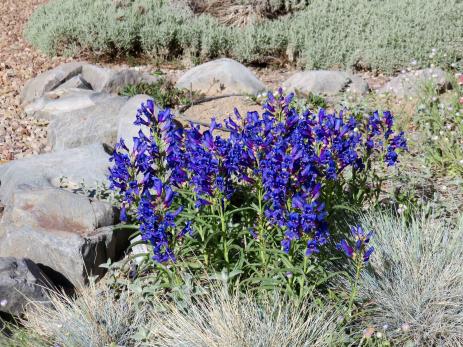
[
  {"x": 376, "y": 34},
  {"x": 415, "y": 288}
]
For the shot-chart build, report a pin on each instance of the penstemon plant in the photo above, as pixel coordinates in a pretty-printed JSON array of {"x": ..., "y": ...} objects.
[{"x": 254, "y": 197}]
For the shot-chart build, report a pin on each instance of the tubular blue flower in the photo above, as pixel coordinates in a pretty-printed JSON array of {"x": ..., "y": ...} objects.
[{"x": 346, "y": 248}]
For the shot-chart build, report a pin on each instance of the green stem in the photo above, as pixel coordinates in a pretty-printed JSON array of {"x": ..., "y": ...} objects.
[
  {"x": 353, "y": 294},
  {"x": 223, "y": 224},
  {"x": 261, "y": 226}
]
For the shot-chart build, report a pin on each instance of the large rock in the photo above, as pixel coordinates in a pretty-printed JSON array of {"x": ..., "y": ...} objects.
[
  {"x": 410, "y": 84},
  {"x": 222, "y": 76},
  {"x": 65, "y": 256},
  {"x": 75, "y": 82},
  {"x": 126, "y": 129},
  {"x": 113, "y": 81},
  {"x": 88, "y": 164},
  {"x": 48, "y": 81},
  {"x": 57, "y": 209},
  {"x": 21, "y": 281},
  {"x": 64, "y": 231},
  {"x": 326, "y": 82},
  {"x": 63, "y": 101},
  {"x": 94, "y": 124},
  {"x": 83, "y": 76},
  {"x": 78, "y": 117}
]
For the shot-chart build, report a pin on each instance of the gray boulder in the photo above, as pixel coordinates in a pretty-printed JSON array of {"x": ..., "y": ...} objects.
[
  {"x": 73, "y": 255},
  {"x": 21, "y": 281},
  {"x": 112, "y": 81},
  {"x": 48, "y": 81},
  {"x": 411, "y": 83},
  {"x": 58, "y": 210},
  {"x": 78, "y": 117},
  {"x": 221, "y": 76},
  {"x": 326, "y": 82},
  {"x": 94, "y": 124},
  {"x": 63, "y": 101},
  {"x": 75, "y": 82},
  {"x": 89, "y": 164},
  {"x": 62, "y": 230},
  {"x": 126, "y": 129}
]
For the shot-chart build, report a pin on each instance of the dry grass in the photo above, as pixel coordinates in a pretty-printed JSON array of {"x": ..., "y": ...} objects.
[{"x": 417, "y": 285}]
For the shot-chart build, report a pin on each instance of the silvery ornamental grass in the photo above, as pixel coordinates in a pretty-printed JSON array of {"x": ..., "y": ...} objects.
[{"x": 416, "y": 286}]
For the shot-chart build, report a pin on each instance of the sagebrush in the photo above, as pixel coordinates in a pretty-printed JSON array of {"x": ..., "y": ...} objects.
[{"x": 374, "y": 34}]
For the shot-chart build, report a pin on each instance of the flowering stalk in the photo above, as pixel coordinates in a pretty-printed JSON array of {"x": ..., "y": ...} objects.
[{"x": 360, "y": 254}]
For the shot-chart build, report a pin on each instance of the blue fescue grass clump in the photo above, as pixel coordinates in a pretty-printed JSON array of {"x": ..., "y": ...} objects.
[{"x": 257, "y": 196}]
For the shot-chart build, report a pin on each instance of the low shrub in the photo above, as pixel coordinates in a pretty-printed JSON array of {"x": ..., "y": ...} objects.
[{"x": 379, "y": 35}]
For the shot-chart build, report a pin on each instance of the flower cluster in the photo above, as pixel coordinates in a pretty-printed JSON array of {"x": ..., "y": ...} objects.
[
  {"x": 286, "y": 157},
  {"x": 361, "y": 248}
]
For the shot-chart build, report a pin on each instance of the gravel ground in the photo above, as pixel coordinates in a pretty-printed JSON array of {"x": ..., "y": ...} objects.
[{"x": 19, "y": 136}]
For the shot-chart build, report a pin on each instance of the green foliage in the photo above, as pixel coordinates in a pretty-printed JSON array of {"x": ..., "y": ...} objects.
[
  {"x": 440, "y": 119},
  {"x": 375, "y": 34},
  {"x": 164, "y": 93}
]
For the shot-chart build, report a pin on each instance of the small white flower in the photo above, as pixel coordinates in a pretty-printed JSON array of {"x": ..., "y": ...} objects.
[
  {"x": 435, "y": 138},
  {"x": 3, "y": 302},
  {"x": 441, "y": 133},
  {"x": 461, "y": 162},
  {"x": 405, "y": 327},
  {"x": 403, "y": 71},
  {"x": 356, "y": 129},
  {"x": 444, "y": 187},
  {"x": 434, "y": 98},
  {"x": 434, "y": 50},
  {"x": 379, "y": 334},
  {"x": 385, "y": 327},
  {"x": 414, "y": 62},
  {"x": 432, "y": 66}
]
